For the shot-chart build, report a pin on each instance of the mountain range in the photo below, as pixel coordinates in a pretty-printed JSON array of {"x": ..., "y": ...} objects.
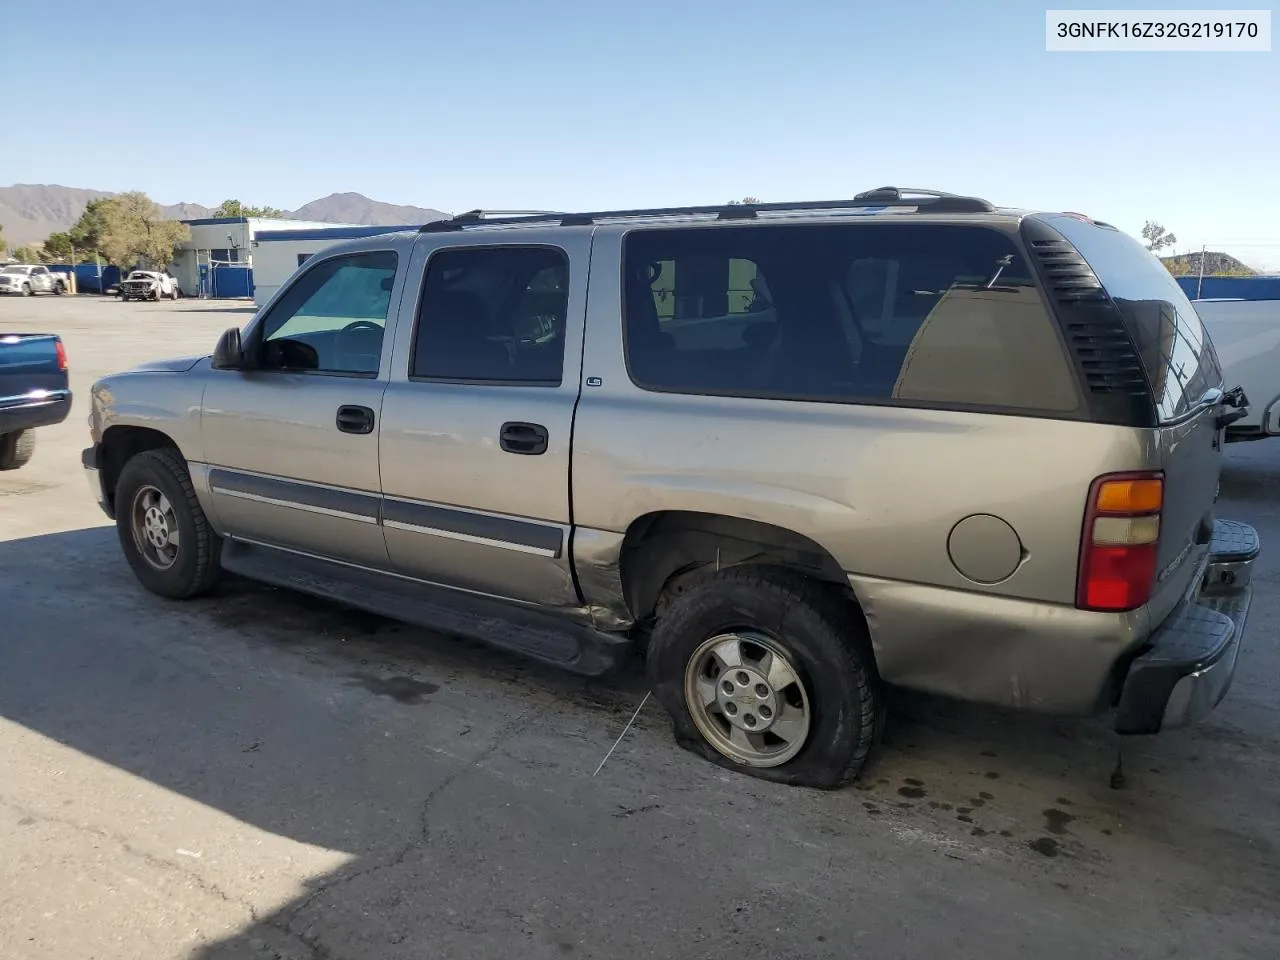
[
  {"x": 1216, "y": 264},
  {"x": 29, "y": 212}
]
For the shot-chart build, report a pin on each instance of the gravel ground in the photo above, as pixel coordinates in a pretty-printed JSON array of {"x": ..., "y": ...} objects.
[{"x": 258, "y": 774}]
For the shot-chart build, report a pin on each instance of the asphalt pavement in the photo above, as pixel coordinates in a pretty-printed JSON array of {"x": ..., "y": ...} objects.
[{"x": 262, "y": 775}]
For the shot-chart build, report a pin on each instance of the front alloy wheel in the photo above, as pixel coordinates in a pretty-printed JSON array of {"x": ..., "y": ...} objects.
[
  {"x": 162, "y": 528},
  {"x": 155, "y": 527}
]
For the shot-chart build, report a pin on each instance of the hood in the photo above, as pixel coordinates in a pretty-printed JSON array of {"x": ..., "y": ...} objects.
[{"x": 171, "y": 365}]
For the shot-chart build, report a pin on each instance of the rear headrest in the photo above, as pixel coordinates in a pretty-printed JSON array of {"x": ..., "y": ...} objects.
[
  {"x": 465, "y": 310},
  {"x": 642, "y": 312}
]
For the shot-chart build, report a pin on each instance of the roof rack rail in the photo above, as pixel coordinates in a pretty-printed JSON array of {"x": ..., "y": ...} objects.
[
  {"x": 458, "y": 221},
  {"x": 932, "y": 201},
  {"x": 937, "y": 201}
]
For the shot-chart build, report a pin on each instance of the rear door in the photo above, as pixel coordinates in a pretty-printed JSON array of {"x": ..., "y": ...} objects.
[
  {"x": 1182, "y": 366},
  {"x": 477, "y": 418}
]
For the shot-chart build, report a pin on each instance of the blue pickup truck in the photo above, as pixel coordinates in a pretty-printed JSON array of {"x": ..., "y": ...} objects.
[{"x": 35, "y": 391}]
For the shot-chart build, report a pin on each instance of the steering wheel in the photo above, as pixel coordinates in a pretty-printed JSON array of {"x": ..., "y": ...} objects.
[{"x": 365, "y": 351}]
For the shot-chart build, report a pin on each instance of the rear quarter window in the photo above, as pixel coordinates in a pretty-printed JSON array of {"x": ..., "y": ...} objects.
[
  {"x": 933, "y": 315},
  {"x": 1176, "y": 353}
]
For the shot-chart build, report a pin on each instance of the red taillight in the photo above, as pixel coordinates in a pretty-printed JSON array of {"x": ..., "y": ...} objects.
[
  {"x": 1119, "y": 541},
  {"x": 62, "y": 356}
]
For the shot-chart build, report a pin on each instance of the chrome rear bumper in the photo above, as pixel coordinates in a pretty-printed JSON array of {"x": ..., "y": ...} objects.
[{"x": 1190, "y": 661}]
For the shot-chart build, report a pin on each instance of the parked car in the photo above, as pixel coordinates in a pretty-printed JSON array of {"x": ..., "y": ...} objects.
[
  {"x": 34, "y": 392},
  {"x": 794, "y": 452},
  {"x": 149, "y": 285},
  {"x": 1246, "y": 335},
  {"x": 29, "y": 279}
]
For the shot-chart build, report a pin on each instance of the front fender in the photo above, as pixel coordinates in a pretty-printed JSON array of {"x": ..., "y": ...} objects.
[{"x": 168, "y": 402}]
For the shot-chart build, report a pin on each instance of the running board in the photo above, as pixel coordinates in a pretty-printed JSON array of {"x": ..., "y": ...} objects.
[{"x": 550, "y": 638}]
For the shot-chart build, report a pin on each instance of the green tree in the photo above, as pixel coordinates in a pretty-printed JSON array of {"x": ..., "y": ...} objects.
[
  {"x": 136, "y": 230},
  {"x": 89, "y": 231},
  {"x": 749, "y": 200},
  {"x": 234, "y": 208},
  {"x": 1157, "y": 237},
  {"x": 27, "y": 253},
  {"x": 59, "y": 246},
  {"x": 125, "y": 229}
]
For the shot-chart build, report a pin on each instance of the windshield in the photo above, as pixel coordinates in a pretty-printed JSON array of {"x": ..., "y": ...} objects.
[
  {"x": 17, "y": 269},
  {"x": 140, "y": 275}
]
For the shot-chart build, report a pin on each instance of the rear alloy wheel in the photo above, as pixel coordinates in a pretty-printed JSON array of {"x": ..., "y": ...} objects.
[
  {"x": 162, "y": 527},
  {"x": 746, "y": 699},
  {"x": 769, "y": 673},
  {"x": 59, "y": 288}
]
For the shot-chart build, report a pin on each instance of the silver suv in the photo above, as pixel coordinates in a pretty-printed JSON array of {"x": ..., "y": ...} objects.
[{"x": 796, "y": 451}]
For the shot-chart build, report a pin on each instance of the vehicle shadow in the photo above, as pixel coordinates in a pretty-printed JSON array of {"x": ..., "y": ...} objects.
[
  {"x": 467, "y": 825},
  {"x": 1252, "y": 474}
]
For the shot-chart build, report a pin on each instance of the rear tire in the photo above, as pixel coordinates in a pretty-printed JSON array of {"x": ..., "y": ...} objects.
[
  {"x": 17, "y": 449},
  {"x": 59, "y": 289},
  {"x": 825, "y": 693},
  {"x": 162, "y": 528}
]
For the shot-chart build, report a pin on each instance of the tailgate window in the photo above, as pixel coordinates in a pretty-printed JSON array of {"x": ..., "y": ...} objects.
[
  {"x": 1176, "y": 353},
  {"x": 931, "y": 315}
]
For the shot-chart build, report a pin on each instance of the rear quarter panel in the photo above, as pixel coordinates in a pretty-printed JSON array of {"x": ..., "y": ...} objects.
[{"x": 881, "y": 489}]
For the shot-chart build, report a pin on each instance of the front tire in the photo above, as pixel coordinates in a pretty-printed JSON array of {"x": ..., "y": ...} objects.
[
  {"x": 17, "y": 449},
  {"x": 27, "y": 291},
  {"x": 162, "y": 528},
  {"x": 769, "y": 673}
]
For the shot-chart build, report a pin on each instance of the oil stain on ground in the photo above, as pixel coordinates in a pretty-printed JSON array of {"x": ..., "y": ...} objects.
[
  {"x": 1045, "y": 846},
  {"x": 1055, "y": 820},
  {"x": 400, "y": 689}
]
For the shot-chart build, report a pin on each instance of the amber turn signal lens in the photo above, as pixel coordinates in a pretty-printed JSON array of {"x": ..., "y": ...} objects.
[{"x": 1130, "y": 496}]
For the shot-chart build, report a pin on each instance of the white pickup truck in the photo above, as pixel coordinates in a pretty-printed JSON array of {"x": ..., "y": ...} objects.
[
  {"x": 1246, "y": 334},
  {"x": 149, "y": 285},
  {"x": 28, "y": 279}
]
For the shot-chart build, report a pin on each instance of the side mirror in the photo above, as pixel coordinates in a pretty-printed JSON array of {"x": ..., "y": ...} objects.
[{"x": 228, "y": 354}]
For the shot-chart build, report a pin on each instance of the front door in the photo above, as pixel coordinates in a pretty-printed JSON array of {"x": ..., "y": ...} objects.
[
  {"x": 292, "y": 444},
  {"x": 477, "y": 417}
]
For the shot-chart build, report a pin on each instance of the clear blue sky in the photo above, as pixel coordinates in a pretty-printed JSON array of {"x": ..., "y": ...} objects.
[{"x": 504, "y": 103}]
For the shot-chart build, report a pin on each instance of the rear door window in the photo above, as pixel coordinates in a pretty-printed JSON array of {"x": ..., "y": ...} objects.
[
  {"x": 1177, "y": 355},
  {"x": 493, "y": 314},
  {"x": 936, "y": 315}
]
